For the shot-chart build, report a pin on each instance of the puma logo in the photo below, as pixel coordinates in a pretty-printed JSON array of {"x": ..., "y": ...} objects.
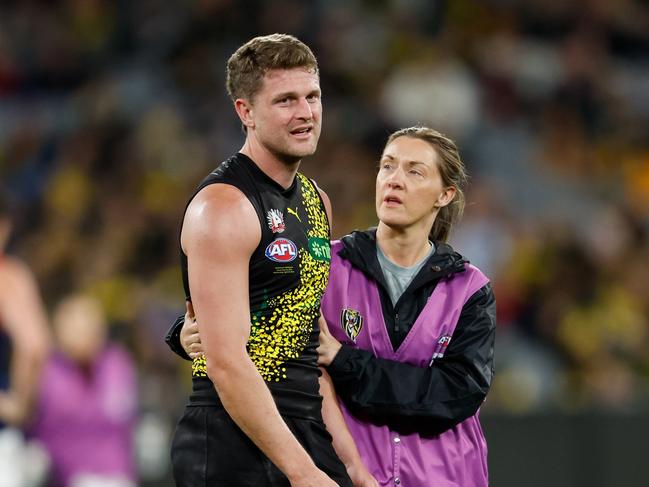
[{"x": 293, "y": 212}]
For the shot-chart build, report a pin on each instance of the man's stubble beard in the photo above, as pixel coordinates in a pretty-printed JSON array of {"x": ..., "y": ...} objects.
[{"x": 291, "y": 157}]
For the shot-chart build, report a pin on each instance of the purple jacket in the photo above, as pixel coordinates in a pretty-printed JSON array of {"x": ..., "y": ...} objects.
[
  {"x": 86, "y": 420},
  {"x": 455, "y": 458}
]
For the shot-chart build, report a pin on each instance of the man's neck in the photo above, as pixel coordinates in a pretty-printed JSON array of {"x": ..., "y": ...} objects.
[
  {"x": 282, "y": 172},
  {"x": 402, "y": 247}
]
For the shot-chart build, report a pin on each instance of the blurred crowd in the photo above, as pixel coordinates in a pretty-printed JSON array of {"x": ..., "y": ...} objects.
[{"x": 111, "y": 112}]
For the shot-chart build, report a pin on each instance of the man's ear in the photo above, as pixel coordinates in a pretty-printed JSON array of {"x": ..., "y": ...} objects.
[
  {"x": 445, "y": 197},
  {"x": 245, "y": 109}
]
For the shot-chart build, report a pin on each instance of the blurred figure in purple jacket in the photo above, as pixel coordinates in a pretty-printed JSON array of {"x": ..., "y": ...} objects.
[{"x": 87, "y": 406}]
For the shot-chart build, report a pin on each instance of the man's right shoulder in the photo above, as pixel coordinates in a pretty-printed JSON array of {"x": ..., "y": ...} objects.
[
  {"x": 218, "y": 197},
  {"x": 221, "y": 211}
]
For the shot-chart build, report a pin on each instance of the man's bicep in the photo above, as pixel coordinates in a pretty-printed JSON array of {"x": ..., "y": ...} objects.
[
  {"x": 220, "y": 233},
  {"x": 219, "y": 287}
]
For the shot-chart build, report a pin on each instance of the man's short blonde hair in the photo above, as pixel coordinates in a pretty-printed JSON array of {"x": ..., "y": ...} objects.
[{"x": 248, "y": 65}]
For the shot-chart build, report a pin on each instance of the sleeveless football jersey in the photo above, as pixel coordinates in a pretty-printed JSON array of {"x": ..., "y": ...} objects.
[{"x": 288, "y": 273}]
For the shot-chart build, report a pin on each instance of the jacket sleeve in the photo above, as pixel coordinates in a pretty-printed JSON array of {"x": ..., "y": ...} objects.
[
  {"x": 431, "y": 399},
  {"x": 172, "y": 339}
]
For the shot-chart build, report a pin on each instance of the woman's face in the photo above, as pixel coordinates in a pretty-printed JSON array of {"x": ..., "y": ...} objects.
[{"x": 409, "y": 187}]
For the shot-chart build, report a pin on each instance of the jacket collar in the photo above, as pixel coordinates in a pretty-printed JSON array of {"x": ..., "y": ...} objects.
[{"x": 359, "y": 248}]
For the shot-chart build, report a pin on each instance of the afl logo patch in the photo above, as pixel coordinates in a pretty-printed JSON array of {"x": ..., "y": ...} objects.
[{"x": 281, "y": 250}]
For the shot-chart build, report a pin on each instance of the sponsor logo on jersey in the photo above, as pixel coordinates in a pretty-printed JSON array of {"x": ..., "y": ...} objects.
[
  {"x": 275, "y": 220},
  {"x": 320, "y": 248},
  {"x": 440, "y": 348},
  {"x": 293, "y": 212},
  {"x": 281, "y": 250},
  {"x": 351, "y": 322}
]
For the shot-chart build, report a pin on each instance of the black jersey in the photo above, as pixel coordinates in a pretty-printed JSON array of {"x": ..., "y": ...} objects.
[{"x": 288, "y": 273}]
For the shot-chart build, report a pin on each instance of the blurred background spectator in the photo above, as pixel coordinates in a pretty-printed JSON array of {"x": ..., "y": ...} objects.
[
  {"x": 111, "y": 113},
  {"x": 85, "y": 418}
]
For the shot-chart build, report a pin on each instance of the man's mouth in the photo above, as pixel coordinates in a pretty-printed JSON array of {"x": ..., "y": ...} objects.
[{"x": 302, "y": 131}]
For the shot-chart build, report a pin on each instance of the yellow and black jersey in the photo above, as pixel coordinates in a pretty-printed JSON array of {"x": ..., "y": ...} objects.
[{"x": 288, "y": 274}]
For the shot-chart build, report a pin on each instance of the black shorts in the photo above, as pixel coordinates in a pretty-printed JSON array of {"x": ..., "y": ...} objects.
[{"x": 209, "y": 449}]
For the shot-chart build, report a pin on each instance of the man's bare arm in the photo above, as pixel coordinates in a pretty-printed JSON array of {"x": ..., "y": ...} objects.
[
  {"x": 23, "y": 318},
  {"x": 220, "y": 232},
  {"x": 327, "y": 204}
]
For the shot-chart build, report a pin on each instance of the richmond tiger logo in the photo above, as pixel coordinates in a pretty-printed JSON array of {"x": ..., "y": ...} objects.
[{"x": 351, "y": 322}]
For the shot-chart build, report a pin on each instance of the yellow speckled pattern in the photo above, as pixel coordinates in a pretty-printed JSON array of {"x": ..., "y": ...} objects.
[
  {"x": 199, "y": 367},
  {"x": 315, "y": 210},
  {"x": 282, "y": 331}
]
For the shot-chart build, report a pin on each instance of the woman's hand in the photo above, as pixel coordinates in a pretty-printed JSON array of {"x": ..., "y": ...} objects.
[
  {"x": 190, "y": 338},
  {"x": 360, "y": 476},
  {"x": 329, "y": 346}
]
